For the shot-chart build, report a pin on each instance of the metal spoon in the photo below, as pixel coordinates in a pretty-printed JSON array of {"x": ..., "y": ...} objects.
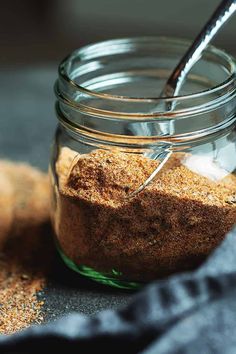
[
  {"x": 223, "y": 12},
  {"x": 174, "y": 83}
]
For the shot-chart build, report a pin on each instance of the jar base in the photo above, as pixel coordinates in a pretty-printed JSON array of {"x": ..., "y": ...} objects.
[{"x": 112, "y": 279}]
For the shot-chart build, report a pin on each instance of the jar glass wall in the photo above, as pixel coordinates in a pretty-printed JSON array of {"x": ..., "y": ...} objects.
[{"x": 113, "y": 134}]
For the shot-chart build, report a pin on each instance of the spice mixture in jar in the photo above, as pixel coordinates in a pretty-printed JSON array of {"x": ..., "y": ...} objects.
[
  {"x": 110, "y": 141},
  {"x": 171, "y": 225}
]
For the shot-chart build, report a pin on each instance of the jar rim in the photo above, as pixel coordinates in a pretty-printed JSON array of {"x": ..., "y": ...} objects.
[{"x": 90, "y": 49}]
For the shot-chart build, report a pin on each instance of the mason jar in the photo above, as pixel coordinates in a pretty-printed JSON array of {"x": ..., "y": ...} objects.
[{"x": 142, "y": 186}]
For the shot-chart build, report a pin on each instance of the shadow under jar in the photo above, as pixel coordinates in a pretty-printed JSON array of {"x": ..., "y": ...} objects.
[{"x": 113, "y": 133}]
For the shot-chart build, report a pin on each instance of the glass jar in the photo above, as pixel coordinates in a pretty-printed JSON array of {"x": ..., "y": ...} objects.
[{"x": 114, "y": 132}]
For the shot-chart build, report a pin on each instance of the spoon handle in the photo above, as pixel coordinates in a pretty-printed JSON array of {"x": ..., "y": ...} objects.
[
  {"x": 173, "y": 85},
  {"x": 193, "y": 54}
]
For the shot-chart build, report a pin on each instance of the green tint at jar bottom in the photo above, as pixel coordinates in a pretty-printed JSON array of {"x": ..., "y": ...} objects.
[{"x": 112, "y": 279}]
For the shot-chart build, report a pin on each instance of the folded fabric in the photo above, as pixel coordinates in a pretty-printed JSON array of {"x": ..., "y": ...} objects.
[{"x": 193, "y": 312}]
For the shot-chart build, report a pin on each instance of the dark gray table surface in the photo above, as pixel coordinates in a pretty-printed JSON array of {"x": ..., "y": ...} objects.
[{"x": 27, "y": 124}]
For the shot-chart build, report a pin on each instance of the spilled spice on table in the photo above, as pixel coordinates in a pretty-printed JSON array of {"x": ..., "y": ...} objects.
[
  {"x": 25, "y": 245},
  {"x": 24, "y": 264}
]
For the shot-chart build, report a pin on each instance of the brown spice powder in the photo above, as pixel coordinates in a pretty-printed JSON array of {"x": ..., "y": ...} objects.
[
  {"x": 171, "y": 226},
  {"x": 25, "y": 263},
  {"x": 25, "y": 246},
  {"x": 22, "y": 276}
]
